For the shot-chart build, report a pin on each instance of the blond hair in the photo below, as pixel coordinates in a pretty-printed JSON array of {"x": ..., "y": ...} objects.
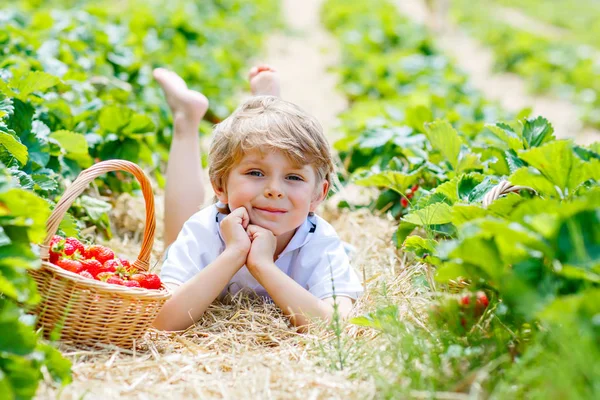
[{"x": 268, "y": 123}]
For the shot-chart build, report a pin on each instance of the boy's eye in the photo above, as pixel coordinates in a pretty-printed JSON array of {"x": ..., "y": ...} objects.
[
  {"x": 255, "y": 173},
  {"x": 295, "y": 178}
]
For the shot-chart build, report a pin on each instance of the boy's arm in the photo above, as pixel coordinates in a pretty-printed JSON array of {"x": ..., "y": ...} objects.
[
  {"x": 294, "y": 300},
  {"x": 191, "y": 299}
]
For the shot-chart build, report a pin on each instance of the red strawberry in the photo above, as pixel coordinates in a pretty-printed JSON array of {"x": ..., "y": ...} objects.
[
  {"x": 414, "y": 188},
  {"x": 148, "y": 281},
  {"x": 70, "y": 265},
  {"x": 115, "y": 280},
  {"x": 54, "y": 257},
  {"x": 482, "y": 299},
  {"x": 94, "y": 267},
  {"x": 132, "y": 284},
  {"x": 69, "y": 249},
  {"x": 100, "y": 253},
  {"x": 404, "y": 202},
  {"x": 125, "y": 263},
  {"x": 465, "y": 300},
  {"x": 77, "y": 244},
  {"x": 151, "y": 281},
  {"x": 86, "y": 274},
  {"x": 112, "y": 265},
  {"x": 56, "y": 248}
]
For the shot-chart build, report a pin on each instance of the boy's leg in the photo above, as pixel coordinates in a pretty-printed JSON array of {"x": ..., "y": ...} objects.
[
  {"x": 264, "y": 80},
  {"x": 184, "y": 192}
]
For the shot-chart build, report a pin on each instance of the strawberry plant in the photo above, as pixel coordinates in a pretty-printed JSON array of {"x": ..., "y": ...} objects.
[{"x": 530, "y": 260}]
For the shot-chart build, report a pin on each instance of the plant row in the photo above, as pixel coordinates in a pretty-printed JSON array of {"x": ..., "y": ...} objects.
[
  {"x": 558, "y": 66},
  {"x": 528, "y": 262},
  {"x": 76, "y": 87}
]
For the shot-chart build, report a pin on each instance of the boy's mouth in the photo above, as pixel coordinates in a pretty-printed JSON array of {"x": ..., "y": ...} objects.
[{"x": 271, "y": 210}]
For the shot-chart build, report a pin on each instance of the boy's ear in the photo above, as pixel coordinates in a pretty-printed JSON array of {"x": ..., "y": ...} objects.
[
  {"x": 320, "y": 195},
  {"x": 220, "y": 193}
]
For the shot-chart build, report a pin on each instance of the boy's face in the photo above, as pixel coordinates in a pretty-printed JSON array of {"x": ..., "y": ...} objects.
[{"x": 277, "y": 193}]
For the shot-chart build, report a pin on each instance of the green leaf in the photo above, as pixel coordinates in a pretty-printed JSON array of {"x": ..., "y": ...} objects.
[
  {"x": 114, "y": 118},
  {"x": 32, "y": 81},
  {"x": 95, "y": 208},
  {"x": 14, "y": 147},
  {"x": 139, "y": 124},
  {"x": 395, "y": 180},
  {"x": 444, "y": 138},
  {"x": 469, "y": 162},
  {"x": 433, "y": 214},
  {"x": 44, "y": 182},
  {"x": 537, "y": 131},
  {"x": 27, "y": 209},
  {"x": 558, "y": 163},
  {"x": 462, "y": 213},
  {"x": 74, "y": 145},
  {"x": 531, "y": 177},
  {"x": 404, "y": 229},
  {"x": 419, "y": 246},
  {"x": 506, "y": 135}
]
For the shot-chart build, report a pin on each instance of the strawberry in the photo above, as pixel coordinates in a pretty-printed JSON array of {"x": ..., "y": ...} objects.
[
  {"x": 70, "y": 265},
  {"x": 94, "y": 267},
  {"x": 148, "y": 281},
  {"x": 482, "y": 299},
  {"x": 55, "y": 239},
  {"x": 414, "y": 188},
  {"x": 54, "y": 257},
  {"x": 104, "y": 276},
  {"x": 404, "y": 202},
  {"x": 151, "y": 281},
  {"x": 86, "y": 274},
  {"x": 69, "y": 249},
  {"x": 100, "y": 253},
  {"x": 56, "y": 248},
  {"x": 115, "y": 280},
  {"x": 465, "y": 300},
  {"x": 125, "y": 263},
  {"x": 112, "y": 265},
  {"x": 132, "y": 284},
  {"x": 137, "y": 277},
  {"x": 77, "y": 244}
]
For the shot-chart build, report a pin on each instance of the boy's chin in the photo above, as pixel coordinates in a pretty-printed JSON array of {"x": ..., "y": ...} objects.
[{"x": 276, "y": 230}]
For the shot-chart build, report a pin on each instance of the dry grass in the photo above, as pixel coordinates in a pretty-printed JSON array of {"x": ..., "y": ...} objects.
[{"x": 246, "y": 348}]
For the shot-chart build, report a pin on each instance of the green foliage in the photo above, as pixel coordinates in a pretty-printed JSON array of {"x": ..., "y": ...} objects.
[
  {"x": 536, "y": 254},
  {"x": 558, "y": 65},
  {"x": 23, "y": 217}
]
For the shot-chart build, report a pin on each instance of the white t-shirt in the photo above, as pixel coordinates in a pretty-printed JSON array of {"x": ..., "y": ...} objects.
[{"x": 312, "y": 256}]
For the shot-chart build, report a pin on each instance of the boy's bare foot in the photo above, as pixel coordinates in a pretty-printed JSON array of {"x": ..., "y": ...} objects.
[
  {"x": 264, "y": 80},
  {"x": 185, "y": 104}
]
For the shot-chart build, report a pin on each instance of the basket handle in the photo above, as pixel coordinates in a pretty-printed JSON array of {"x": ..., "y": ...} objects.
[
  {"x": 503, "y": 188},
  {"x": 81, "y": 183}
]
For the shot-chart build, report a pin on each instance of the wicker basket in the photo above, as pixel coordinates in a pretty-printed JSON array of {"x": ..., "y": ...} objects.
[{"x": 85, "y": 311}]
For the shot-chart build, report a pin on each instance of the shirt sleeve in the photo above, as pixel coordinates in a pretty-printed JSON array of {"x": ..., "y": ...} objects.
[
  {"x": 331, "y": 269},
  {"x": 191, "y": 252}
]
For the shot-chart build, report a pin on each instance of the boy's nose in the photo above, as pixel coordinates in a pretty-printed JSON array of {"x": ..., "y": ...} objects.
[{"x": 273, "y": 193}]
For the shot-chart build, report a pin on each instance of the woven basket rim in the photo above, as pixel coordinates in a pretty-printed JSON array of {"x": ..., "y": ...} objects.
[{"x": 150, "y": 294}]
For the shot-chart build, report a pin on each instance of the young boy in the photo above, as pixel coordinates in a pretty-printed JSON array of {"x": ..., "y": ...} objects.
[{"x": 270, "y": 167}]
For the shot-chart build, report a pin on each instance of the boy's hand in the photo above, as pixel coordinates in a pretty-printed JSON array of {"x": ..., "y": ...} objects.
[
  {"x": 262, "y": 249},
  {"x": 233, "y": 229}
]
